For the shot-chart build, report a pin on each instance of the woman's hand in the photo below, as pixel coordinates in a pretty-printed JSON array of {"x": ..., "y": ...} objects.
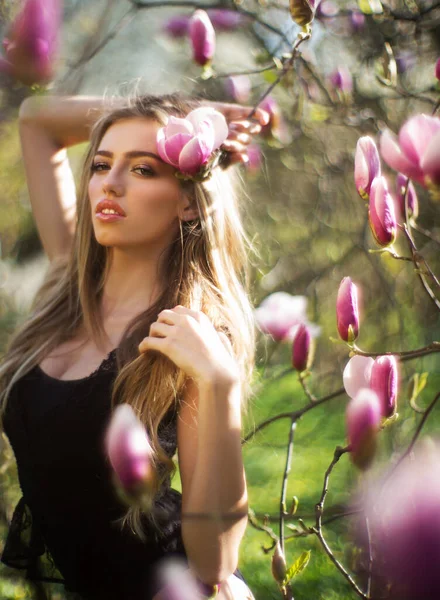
[
  {"x": 241, "y": 129},
  {"x": 188, "y": 338}
]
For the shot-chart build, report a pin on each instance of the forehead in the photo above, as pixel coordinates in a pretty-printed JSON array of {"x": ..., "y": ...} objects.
[{"x": 131, "y": 134}]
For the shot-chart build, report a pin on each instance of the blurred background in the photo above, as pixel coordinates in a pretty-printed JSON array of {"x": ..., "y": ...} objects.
[{"x": 369, "y": 65}]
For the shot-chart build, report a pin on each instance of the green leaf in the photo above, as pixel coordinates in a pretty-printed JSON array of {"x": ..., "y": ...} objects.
[
  {"x": 298, "y": 566},
  {"x": 270, "y": 76}
]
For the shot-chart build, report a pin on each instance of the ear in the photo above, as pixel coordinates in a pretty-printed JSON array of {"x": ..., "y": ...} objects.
[{"x": 188, "y": 210}]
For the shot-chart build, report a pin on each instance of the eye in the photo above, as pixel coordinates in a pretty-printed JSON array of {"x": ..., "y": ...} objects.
[
  {"x": 144, "y": 170},
  {"x": 100, "y": 166}
]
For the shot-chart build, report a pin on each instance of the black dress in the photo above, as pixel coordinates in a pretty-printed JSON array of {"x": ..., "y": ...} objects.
[{"x": 64, "y": 529}]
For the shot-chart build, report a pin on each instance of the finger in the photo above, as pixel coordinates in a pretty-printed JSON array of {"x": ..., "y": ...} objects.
[
  {"x": 153, "y": 343},
  {"x": 232, "y": 112},
  {"x": 234, "y": 147},
  {"x": 158, "y": 329},
  {"x": 243, "y": 138},
  {"x": 245, "y": 126},
  {"x": 196, "y": 314},
  {"x": 238, "y": 158},
  {"x": 167, "y": 316}
]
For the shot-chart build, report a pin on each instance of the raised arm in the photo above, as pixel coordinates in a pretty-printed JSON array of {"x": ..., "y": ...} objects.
[{"x": 48, "y": 125}]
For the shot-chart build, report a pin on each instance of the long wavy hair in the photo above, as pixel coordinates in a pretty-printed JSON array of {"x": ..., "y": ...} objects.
[{"x": 205, "y": 269}]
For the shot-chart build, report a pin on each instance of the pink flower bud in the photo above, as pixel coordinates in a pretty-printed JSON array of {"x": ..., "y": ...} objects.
[
  {"x": 224, "y": 19},
  {"x": 177, "y": 26},
  {"x": 413, "y": 204},
  {"x": 278, "y": 565},
  {"x": 202, "y": 36},
  {"x": 363, "y": 418},
  {"x": 128, "y": 448},
  {"x": 416, "y": 152},
  {"x": 342, "y": 80},
  {"x": 31, "y": 42},
  {"x": 238, "y": 87},
  {"x": 381, "y": 213},
  {"x": 301, "y": 348},
  {"x": 366, "y": 165},
  {"x": 357, "y": 374},
  {"x": 357, "y": 20},
  {"x": 437, "y": 69},
  {"x": 384, "y": 381},
  {"x": 347, "y": 311},
  {"x": 280, "y": 315}
]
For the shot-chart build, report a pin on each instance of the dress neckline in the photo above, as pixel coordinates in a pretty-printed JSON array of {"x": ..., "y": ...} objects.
[{"x": 107, "y": 359}]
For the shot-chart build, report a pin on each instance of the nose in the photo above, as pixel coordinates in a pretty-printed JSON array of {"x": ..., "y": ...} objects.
[{"x": 112, "y": 184}]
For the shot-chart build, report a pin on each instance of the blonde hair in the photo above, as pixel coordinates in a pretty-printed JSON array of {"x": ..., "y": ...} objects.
[{"x": 206, "y": 269}]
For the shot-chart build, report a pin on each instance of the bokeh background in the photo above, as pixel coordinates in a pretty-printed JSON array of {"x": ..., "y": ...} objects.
[{"x": 308, "y": 226}]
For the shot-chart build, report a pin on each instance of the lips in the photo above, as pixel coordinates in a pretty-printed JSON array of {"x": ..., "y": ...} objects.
[{"x": 102, "y": 204}]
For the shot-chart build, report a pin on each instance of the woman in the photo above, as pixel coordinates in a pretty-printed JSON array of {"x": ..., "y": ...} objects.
[{"x": 147, "y": 308}]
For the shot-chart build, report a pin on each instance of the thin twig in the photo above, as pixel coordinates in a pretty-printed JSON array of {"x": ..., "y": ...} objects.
[
  {"x": 403, "y": 356},
  {"x": 305, "y": 387},
  {"x": 285, "y": 479}
]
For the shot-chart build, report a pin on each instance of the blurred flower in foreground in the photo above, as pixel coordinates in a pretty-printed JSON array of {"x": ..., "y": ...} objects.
[
  {"x": 366, "y": 165},
  {"x": 342, "y": 80},
  {"x": 357, "y": 20},
  {"x": 129, "y": 450},
  {"x": 347, "y": 310},
  {"x": 301, "y": 348},
  {"x": 255, "y": 159},
  {"x": 381, "y": 213},
  {"x": 31, "y": 42},
  {"x": 281, "y": 314},
  {"x": 238, "y": 87},
  {"x": 437, "y": 69},
  {"x": 403, "y": 511},
  {"x": 363, "y": 418},
  {"x": 202, "y": 36},
  {"x": 384, "y": 381},
  {"x": 224, "y": 19},
  {"x": 357, "y": 374},
  {"x": 413, "y": 204},
  {"x": 326, "y": 9},
  {"x": 415, "y": 152},
  {"x": 177, "y": 26}
]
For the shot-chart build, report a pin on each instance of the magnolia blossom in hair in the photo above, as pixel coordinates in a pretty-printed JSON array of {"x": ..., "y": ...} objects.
[{"x": 189, "y": 144}]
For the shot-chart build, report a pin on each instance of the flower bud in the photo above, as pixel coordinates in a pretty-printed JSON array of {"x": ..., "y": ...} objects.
[
  {"x": 437, "y": 69},
  {"x": 238, "y": 87},
  {"x": 128, "y": 449},
  {"x": 363, "y": 418},
  {"x": 303, "y": 12},
  {"x": 347, "y": 311},
  {"x": 357, "y": 20},
  {"x": 342, "y": 80},
  {"x": 279, "y": 566},
  {"x": 366, "y": 165},
  {"x": 357, "y": 374},
  {"x": 413, "y": 204},
  {"x": 384, "y": 381},
  {"x": 381, "y": 213},
  {"x": 202, "y": 36},
  {"x": 301, "y": 348}
]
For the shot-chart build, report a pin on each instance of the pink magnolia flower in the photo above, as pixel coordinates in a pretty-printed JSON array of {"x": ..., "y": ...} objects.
[
  {"x": 384, "y": 381},
  {"x": 277, "y": 127},
  {"x": 366, "y": 165},
  {"x": 128, "y": 448},
  {"x": 177, "y": 26},
  {"x": 202, "y": 36},
  {"x": 224, "y": 19},
  {"x": 357, "y": 374},
  {"x": 437, "y": 69},
  {"x": 238, "y": 87},
  {"x": 413, "y": 204},
  {"x": 363, "y": 418},
  {"x": 281, "y": 314},
  {"x": 255, "y": 159},
  {"x": 403, "y": 512},
  {"x": 381, "y": 213},
  {"x": 342, "y": 80},
  {"x": 31, "y": 42},
  {"x": 416, "y": 151},
  {"x": 301, "y": 348},
  {"x": 188, "y": 143},
  {"x": 347, "y": 311},
  {"x": 357, "y": 20}
]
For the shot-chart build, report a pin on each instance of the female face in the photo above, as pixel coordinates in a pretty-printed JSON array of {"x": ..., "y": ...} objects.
[{"x": 126, "y": 170}]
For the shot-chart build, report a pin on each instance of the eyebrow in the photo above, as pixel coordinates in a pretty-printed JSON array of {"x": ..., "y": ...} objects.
[{"x": 131, "y": 154}]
